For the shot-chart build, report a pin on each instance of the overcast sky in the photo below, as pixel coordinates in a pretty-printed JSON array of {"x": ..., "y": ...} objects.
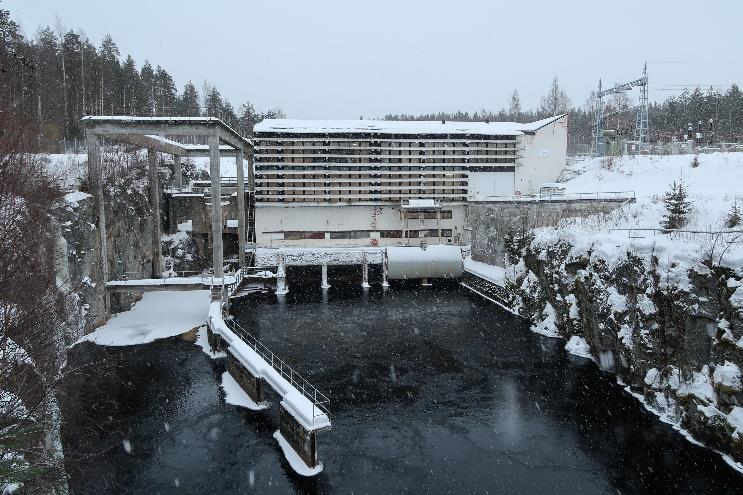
[{"x": 345, "y": 58}]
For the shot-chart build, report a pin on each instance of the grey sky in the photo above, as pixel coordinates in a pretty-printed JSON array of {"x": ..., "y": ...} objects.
[{"x": 344, "y": 59}]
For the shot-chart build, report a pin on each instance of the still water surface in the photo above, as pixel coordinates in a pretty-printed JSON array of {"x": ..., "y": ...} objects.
[{"x": 433, "y": 391}]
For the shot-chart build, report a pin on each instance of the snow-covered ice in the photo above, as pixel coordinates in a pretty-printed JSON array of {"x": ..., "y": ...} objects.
[
  {"x": 158, "y": 315},
  {"x": 296, "y": 462},
  {"x": 236, "y": 396}
]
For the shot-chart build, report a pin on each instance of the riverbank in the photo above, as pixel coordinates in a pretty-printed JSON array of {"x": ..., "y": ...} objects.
[{"x": 662, "y": 311}]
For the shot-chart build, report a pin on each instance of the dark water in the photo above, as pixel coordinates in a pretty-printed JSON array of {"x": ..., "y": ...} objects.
[{"x": 433, "y": 391}]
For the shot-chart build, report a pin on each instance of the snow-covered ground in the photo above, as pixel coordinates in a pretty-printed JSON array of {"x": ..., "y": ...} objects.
[
  {"x": 158, "y": 315},
  {"x": 713, "y": 187}
]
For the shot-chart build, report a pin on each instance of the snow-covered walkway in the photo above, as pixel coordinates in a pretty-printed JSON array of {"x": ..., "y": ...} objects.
[{"x": 491, "y": 273}]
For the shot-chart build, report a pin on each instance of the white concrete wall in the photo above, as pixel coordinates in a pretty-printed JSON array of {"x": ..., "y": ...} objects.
[
  {"x": 484, "y": 184},
  {"x": 543, "y": 157},
  {"x": 271, "y": 221}
]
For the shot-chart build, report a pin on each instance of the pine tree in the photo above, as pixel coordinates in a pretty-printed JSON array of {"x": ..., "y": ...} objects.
[
  {"x": 188, "y": 103},
  {"x": 695, "y": 161},
  {"x": 734, "y": 218},
  {"x": 213, "y": 104},
  {"x": 514, "y": 243},
  {"x": 677, "y": 207}
]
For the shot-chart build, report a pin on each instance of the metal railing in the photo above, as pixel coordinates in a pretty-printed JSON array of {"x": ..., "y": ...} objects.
[
  {"x": 598, "y": 195},
  {"x": 319, "y": 400},
  {"x": 737, "y": 235}
]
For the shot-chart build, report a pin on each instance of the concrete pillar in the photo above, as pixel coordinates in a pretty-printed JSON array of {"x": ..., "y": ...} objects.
[
  {"x": 95, "y": 179},
  {"x": 157, "y": 257},
  {"x": 385, "y": 284},
  {"x": 281, "y": 287},
  {"x": 178, "y": 172},
  {"x": 364, "y": 272},
  {"x": 303, "y": 442},
  {"x": 240, "y": 209},
  {"x": 216, "y": 196},
  {"x": 252, "y": 385},
  {"x": 251, "y": 188},
  {"x": 325, "y": 284}
]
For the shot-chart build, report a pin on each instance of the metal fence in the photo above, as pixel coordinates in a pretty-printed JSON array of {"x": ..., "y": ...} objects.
[
  {"x": 320, "y": 401},
  {"x": 573, "y": 196},
  {"x": 731, "y": 236}
]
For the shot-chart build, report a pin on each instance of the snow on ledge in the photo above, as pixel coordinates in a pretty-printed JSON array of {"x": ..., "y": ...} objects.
[
  {"x": 491, "y": 273},
  {"x": 577, "y": 346},
  {"x": 235, "y": 395},
  {"x": 294, "y": 460},
  {"x": 157, "y": 316}
]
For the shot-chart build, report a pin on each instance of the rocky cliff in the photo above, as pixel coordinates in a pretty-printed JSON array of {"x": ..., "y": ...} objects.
[{"x": 672, "y": 332}]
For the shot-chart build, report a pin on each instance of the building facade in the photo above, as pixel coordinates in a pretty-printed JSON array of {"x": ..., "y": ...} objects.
[{"x": 389, "y": 183}]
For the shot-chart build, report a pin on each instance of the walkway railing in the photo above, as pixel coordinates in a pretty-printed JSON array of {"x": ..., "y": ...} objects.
[
  {"x": 320, "y": 401},
  {"x": 572, "y": 196},
  {"x": 734, "y": 236}
]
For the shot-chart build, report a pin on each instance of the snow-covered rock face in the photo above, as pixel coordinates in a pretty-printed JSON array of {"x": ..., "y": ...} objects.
[
  {"x": 129, "y": 228},
  {"x": 667, "y": 311}
]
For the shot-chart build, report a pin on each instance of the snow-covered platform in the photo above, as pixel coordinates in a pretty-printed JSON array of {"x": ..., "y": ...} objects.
[
  {"x": 303, "y": 409},
  {"x": 167, "y": 283}
]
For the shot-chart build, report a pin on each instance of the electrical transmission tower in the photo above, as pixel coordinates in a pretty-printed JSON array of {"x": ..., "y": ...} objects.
[{"x": 642, "y": 123}]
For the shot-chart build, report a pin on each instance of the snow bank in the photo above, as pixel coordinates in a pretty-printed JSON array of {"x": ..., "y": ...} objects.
[
  {"x": 735, "y": 419},
  {"x": 713, "y": 187},
  {"x": 699, "y": 387},
  {"x": 74, "y": 197},
  {"x": 728, "y": 375},
  {"x": 548, "y": 325},
  {"x": 578, "y": 346},
  {"x": 158, "y": 315}
]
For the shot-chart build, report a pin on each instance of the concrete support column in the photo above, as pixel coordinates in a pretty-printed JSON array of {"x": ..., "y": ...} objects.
[
  {"x": 178, "y": 172},
  {"x": 157, "y": 258},
  {"x": 251, "y": 188},
  {"x": 325, "y": 284},
  {"x": 240, "y": 209},
  {"x": 385, "y": 284},
  {"x": 95, "y": 179},
  {"x": 281, "y": 287},
  {"x": 364, "y": 272},
  {"x": 216, "y": 197}
]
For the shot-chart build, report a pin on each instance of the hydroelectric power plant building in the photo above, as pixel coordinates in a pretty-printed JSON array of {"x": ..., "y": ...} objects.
[{"x": 361, "y": 183}]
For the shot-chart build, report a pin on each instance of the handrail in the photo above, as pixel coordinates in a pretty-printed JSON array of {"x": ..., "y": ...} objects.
[
  {"x": 318, "y": 399},
  {"x": 557, "y": 196},
  {"x": 656, "y": 230}
]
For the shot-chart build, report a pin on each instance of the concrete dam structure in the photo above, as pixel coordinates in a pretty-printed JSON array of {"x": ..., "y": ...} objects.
[{"x": 406, "y": 201}]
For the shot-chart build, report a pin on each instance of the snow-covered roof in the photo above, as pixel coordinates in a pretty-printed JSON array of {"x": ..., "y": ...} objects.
[{"x": 400, "y": 127}]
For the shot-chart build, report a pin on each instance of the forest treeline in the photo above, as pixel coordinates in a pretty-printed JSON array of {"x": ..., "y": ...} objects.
[
  {"x": 59, "y": 76},
  {"x": 668, "y": 119}
]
